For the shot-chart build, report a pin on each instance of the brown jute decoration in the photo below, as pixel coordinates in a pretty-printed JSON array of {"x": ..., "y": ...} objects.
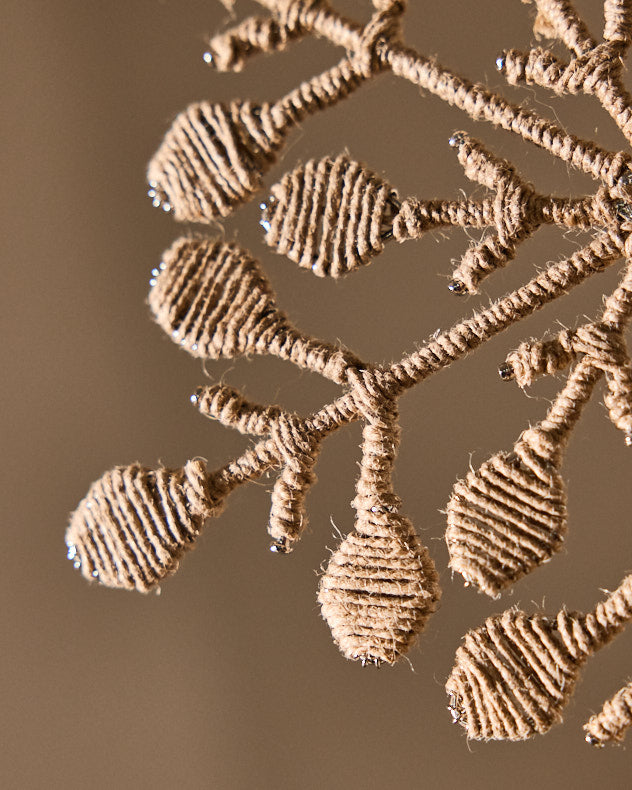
[
  {"x": 514, "y": 675},
  {"x": 380, "y": 586},
  {"x": 135, "y": 523},
  {"x": 613, "y": 720},
  {"x": 333, "y": 215},
  {"x": 509, "y": 516}
]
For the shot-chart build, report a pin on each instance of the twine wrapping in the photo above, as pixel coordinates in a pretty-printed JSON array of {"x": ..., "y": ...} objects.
[
  {"x": 504, "y": 520},
  {"x": 380, "y": 586},
  {"x": 135, "y": 523},
  {"x": 329, "y": 215},
  {"x": 613, "y": 720},
  {"x": 513, "y": 676}
]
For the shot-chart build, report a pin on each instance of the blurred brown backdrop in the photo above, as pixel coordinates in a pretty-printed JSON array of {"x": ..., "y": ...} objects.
[{"x": 229, "y": 679}]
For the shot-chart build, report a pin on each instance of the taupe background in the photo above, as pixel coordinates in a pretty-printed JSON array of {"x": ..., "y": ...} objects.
[{"x": 229, "y": 679}]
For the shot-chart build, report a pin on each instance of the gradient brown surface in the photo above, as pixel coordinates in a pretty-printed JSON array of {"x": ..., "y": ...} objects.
[{"x": 229, "y": 679}]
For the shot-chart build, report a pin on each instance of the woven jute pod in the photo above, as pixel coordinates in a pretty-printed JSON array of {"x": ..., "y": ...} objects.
[
  {"x": 379, "y": 589},
  {"x": 514, "y": 675},
  {"x": 213, "y": 158},
  {"x": 213, "y": 299},
  {"x": 329, "y": 215},
  {"x": 134, "y": 524},
  {"x": 505, "y": 519}
]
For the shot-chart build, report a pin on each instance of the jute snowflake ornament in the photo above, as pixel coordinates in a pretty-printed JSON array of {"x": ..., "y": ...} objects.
[{"x": 334, "y": 216}]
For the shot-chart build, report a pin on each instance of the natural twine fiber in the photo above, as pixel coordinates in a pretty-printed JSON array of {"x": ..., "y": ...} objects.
[
  {"x": 380, "y": 585},
  {"x": 515, "y": 673},
  {"x": 135, "y": 523},
  {"x": 509, "y": 516},
  {"x": 612, "y": 721}
]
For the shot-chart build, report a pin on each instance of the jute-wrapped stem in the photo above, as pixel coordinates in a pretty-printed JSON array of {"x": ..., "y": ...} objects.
[
  {"x": 380, "y": 586},
  {"x": 509, "y": 516}
]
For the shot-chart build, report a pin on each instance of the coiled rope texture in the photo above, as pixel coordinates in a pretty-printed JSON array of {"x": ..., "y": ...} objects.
[
  {"x": 135, "y": 523},
  {"x": 613, "y": 720},
  {"x": 513, "y": 676}
]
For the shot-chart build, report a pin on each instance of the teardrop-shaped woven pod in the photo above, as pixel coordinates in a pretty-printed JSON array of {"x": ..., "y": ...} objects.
[
  {"x": 213, "y": 299},
  {"x": 134, "y": 524},
  {"x": 504, "y": 520},
  {"x": 329, "y": 215},
  {"x": 378, "y": 592},
  {"x": 513, "y": 676},
  {"x": 213, "y": 158}
]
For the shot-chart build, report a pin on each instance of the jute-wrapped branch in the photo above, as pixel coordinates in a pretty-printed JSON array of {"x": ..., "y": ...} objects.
[
  {"x": 509, "y": 516},
  {"x": 334, "y": 215}
]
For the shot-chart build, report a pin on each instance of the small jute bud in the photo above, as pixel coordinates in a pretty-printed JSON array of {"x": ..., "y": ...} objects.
[
  {"x": 613, "y": 720},
  {"x": 228, "y": 406},
  {"x": 330, "y": 216},
  {"x": 288, "y": 517},
  {"x": 504, "y": 520},
  {"x": 618, "y": 21},
  {"x": 378, "y": 591},
  {"x": 542, "y": 357},
  {"x": 213, "y": 299},
  {"x": 135, "y": 523},
  {"x": 213, "y": 158}
]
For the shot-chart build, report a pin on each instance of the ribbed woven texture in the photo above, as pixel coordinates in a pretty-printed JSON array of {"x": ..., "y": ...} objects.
[
  {"x": 135, "y": 523},
  {"x": 213, "y": 158},
  {"x": 613, "y": 720},
  {"x": 214, "y": 300},
  {"x": 504, "y": 520},
  {"x": 513, "y": 676},
  {"x": 329, "y": 215},
  {"x": 378, "y": 592}
]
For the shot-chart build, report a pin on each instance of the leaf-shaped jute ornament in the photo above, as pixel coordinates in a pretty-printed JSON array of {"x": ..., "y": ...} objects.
[
  {"x": 379, "y": 589},
  {"x": 134, "y": 523},
  {"x": 514, "y": 675},
  {"x": 504, "y": 520},
  {"x": 334, "y": 215},
  {"x": 213, "y": 298}
]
